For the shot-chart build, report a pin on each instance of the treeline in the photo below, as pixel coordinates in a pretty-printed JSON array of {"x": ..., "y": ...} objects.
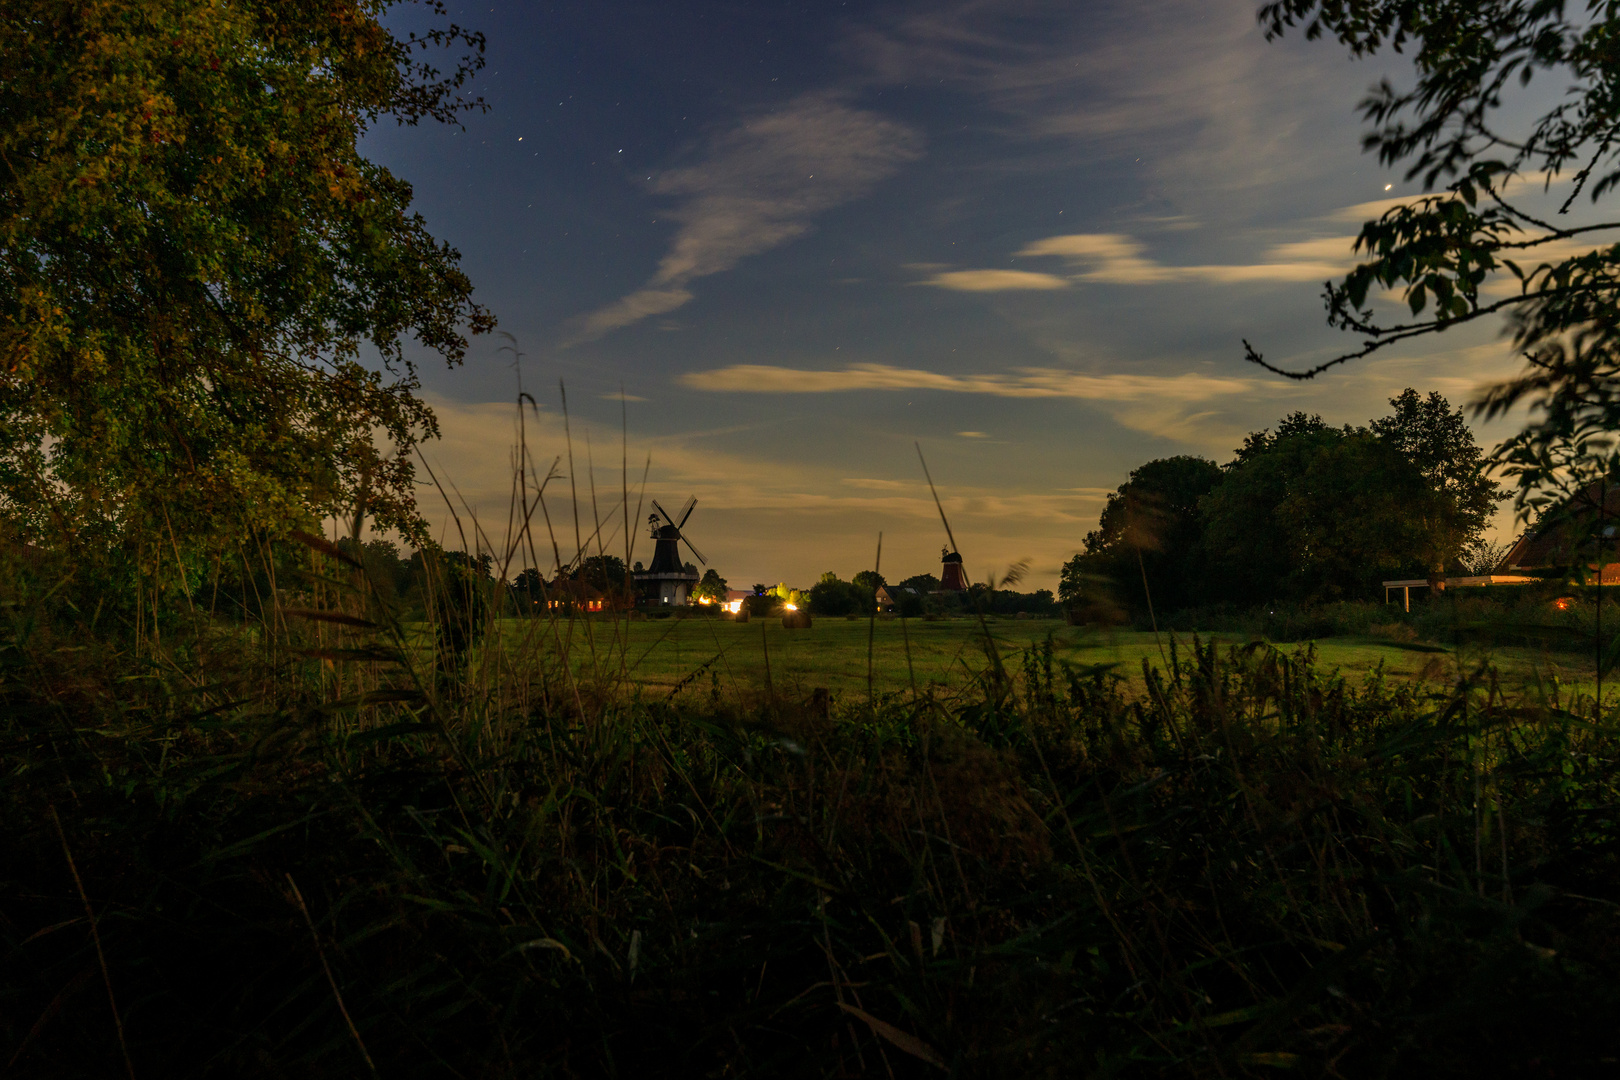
[
  {"x": 1306, "y": 513},
  {"x": 912, "y": 597},
  {"x": 407, "y": 580}
]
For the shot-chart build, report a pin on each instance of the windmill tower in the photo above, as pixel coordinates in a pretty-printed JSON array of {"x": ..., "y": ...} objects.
[
  {"x": 667, "y": 575},
  {"x": 952, "y": 578}
]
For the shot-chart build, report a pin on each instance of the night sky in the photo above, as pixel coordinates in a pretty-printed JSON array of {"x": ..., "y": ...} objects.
[{"x": 801, "y": 237}]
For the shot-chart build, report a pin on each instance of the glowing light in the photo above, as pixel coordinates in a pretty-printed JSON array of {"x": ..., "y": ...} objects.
[
  {"x": 791, "y": 607},
  {"x": 733, "y": 606},
  {"x": 1388, "y": 186}
]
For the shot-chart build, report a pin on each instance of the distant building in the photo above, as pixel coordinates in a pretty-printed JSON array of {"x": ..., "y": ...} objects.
[
  {"x": 952, "y": 578},
  {"x": 580, "y": 595},
  {"x": 1564, "y": 541},
  {"x": 1570, "y": 540},
  {"x": 667, "y": 579}
]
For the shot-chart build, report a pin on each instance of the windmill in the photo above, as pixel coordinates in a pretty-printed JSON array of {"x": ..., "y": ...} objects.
[{"x": 667, "y": 574}]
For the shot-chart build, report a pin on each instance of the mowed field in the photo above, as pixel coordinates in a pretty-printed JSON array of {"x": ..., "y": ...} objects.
[{"x": 748, "y": 658}]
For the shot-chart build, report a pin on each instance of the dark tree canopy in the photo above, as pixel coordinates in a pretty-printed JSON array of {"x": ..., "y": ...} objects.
[
  {"x": 1303, "y": 512},
  {"x": 1150, "y": 525},
  {"x": 712, "y": 587},
  {"x": 604, "y": 572},
  {"x": 1436, "y": 438},
  {"x": 193, "y": 254},
  {"x": 1464, "y": 123},
  {"x": 922, "y": 583},
  {"x": 834, "y": 596},
  {"x": 1319, "y": 514}
]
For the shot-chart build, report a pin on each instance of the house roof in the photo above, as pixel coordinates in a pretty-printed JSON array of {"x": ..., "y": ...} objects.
[
  {"x": 1555, "y": 544},
  {"x": 567, "y": 589}
]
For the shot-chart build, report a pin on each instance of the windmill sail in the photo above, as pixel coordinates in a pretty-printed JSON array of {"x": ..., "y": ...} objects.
[
  {"x": 672, "y": 532},
  {"x": 694, "y": 550}
]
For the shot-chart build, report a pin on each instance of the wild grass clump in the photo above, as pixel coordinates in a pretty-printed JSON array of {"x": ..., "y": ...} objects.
[{"x": 311, "y": 847}]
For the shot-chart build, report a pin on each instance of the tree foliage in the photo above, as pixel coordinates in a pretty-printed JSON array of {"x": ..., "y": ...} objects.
[
  {"x": 1303, "y": 512},
  {"x": 834, "y": 596},
  {"x": 869, "y": 579},
  {"x": 762, "y": 601},
  {"x": 1461, "y": 124},
  {"x": 713, "y": 586},
  {"x": 922, "y": 583},
  {"x": 196, "y": 260},
  {"x": 1150, "y": 526},
  {"x": 604, "y": 572},
  {"x": 1322, "y": 513}
]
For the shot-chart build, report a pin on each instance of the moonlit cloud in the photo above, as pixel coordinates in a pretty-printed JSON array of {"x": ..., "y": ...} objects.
[
  {"x": 1098, "y": 76},
  {"x": 641, "y": 304},
  {"x": 755, "y": 187},
  {"x": 995, "y": 280},
  {"x": 873, "y": 484},
  {"x": 1115, "y": 258},
  {"x": 1024, "y": 383},
  {"x": 1524, "y": 185},
  {"x": 1206, "y": 413}
]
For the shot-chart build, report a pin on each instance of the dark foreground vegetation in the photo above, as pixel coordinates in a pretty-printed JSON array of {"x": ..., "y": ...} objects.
[{"x": 276, "y": 848}]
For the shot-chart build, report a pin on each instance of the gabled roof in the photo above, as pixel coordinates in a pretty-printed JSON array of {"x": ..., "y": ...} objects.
[
  {"x": 568, "y": 589},
  {"x": 1555, "y": 545}
]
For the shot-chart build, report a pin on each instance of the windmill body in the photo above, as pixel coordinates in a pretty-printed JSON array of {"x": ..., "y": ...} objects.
[{"x": 667, "y": 581}]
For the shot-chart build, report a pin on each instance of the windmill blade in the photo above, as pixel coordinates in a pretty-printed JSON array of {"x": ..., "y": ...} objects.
[
  {"x": 695, "y": 551},
  {"x": 664, "y": 512},
  {"x": 686, "y": 512}
]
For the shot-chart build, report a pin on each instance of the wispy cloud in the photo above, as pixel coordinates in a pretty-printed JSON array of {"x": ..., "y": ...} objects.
[
  {"x": 755, "y": 187},
  {"x": 1023, "y": 383},
  {"x": 1207, "y": 412},
  {"x": 1097, "y": 75},
  {"x": 1530, "y": 185},
  {"x": 1119, "y": 259},
  {"x": 996, "y": 280}
]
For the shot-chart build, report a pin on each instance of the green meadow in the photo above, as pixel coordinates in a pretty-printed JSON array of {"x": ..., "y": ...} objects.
[{"x": 700, "y": 654}]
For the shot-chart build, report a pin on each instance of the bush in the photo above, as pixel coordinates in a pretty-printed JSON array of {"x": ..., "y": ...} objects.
[
  {"x": 1544, "y": 616},
  {"x": 762, "y": 604},
  {"x": 833, "y": 597}
]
